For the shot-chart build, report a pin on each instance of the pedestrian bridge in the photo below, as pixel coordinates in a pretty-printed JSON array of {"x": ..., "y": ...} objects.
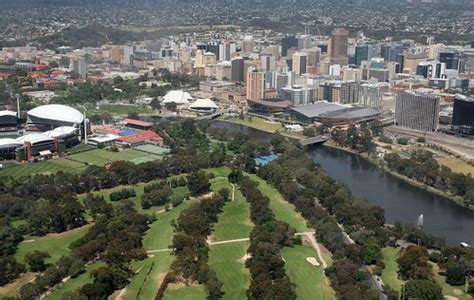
[{"x": 314, "y": 140}]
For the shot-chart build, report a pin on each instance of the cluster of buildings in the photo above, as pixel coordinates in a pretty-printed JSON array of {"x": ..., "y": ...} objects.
[
  {"x": 51, "y": 129},
  {"x": 272, "y": 73}
]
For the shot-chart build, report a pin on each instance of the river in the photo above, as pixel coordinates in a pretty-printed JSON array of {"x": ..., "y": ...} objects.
[{"x": 400, "y": 200}]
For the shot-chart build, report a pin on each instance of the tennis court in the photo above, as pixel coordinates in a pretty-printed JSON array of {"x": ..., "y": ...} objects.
[{"x": 157, "y": 150}]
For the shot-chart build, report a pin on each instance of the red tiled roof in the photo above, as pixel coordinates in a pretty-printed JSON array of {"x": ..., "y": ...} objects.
[
  {"x": 140, "y": 136},
  {"x": 138, "y": 122},
  {"x": 107, "y": 128}
]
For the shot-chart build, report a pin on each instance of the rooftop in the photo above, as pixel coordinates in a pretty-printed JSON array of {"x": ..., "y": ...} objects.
[
  {"x": 137, "y": 122},
  {"x": 140, "y": 136},
  {"x": 318, "y": 108}
]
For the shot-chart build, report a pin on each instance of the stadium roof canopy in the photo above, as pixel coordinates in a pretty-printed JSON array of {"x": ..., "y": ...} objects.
[
  {"x": 34, "y": 138},
  {"x": 178, "y": 97},
  {"x": 317, "y": 109},
  {"x": 8, "y": 113},
  {"x": 57, "y": 112},
  {"x": 61, "y": 131},
  {"x": 8, "y": 142}
]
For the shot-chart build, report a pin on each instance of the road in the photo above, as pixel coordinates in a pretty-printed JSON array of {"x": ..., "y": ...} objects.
[{"x": 456, "y": 145}]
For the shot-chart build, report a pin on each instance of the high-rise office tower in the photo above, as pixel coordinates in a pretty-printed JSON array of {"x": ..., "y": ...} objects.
[
  {"x": 299, "y": 63},
  {"x": 267, "y": 63},
  {"x": 237, "y": 69},
  {"x": 417, "y": 110},
  {"x": 288, "y": 43},
  {"x": 361, "y": 54},
  {"x": 314, "y": 56},
  {"x": 248, "y": 44},
  {"x": 431, "y": 69},
  {"x": 226, "y": 49},
  {"x": 463, "y": 114},
  {"x": 349, "y": 92},
  {"x": 255, "y": 84},
  {"x": 79, "y": 66},
  {"x": 339, "y": 40},
  {"x": 370, "y": 95},
  {"x": 449, "y": 58}
]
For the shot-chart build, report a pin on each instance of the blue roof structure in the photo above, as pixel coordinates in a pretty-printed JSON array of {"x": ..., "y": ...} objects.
[{"x": 263, "y": 160}]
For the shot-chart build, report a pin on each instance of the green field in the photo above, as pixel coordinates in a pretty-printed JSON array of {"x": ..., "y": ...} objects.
[
  {"x": 389, "y": 273},
  {"x": 75, "y": 283},
  {"x": 55, "y": 244},
  {"x": 77, "y": 163},
  {"x": 254, "y": 122},
  {"x": 145, "y": 284},
  {"x": 226, "y": 260},
  {"x": 234, "y": 221},
  {"x": 192, "y": 292},
  {"x": 283, "y": 210},
  {"x": 101, "y": 157},
  {"x": 309, "y": 280},
  {"x": 157, "y": 150},
  {"x": 43, "y": 167},
  {"x": 449, "y": 290},
  {"x": 122, "y": 110}
]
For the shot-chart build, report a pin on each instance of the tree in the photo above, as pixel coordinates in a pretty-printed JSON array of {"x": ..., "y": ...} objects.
[
  {"x": 35, "y": 260},
  {"x": 94, "y": 291},
  {"x": 413, "y": 264},
  {"x": 422, "y": 289},
  {"x": 198, "y": 183},
  {"x": 456, "y": 276},
  {"x": 10, "y": 269}
]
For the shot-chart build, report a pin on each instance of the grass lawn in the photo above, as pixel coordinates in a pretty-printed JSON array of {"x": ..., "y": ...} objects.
[
  {"x": 448, "y": 290},
  {"x": 55, "y": 244},
  {"x": 283, "y": 210},
  {"x": 255, "y": 122},
  {"x": 309, "y": 280},
  {"x": 145, "y": 284},
  {"x": 160, "y": 234},
  {"x": 234, "y": 221},
  {"x": 192, "y": 292},
  {"x": 389, "y": 273},
  {"x": 102, "y": 156},
  {"x": 43, "y": 167},
  {"x": 226, "y": 261},
  {"x": 12, "y": 289},
  {"x": 457, "y": 165},
  {"x": 75, "y": 283},
  {"x": 117, "y": 109}
]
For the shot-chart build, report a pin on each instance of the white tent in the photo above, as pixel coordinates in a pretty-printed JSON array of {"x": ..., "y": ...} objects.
[
  {"x": 203, "y": 104},
  {"x": 178, "y": 97}
]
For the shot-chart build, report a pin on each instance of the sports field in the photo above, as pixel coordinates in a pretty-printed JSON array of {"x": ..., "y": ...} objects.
[
  {"x": 56, "y": 244},
  {"x": 43, "y": 167},
  {"x": 226, "y": 260},
  {"x": 101, "y": 157},
  {"x": 157, "y": 150},
  {"x": 192, "y": 292},
  {"x": 309, "y": 280},
  {"x": 284, "y": 211},
  {"x": 75, "y": 283}
]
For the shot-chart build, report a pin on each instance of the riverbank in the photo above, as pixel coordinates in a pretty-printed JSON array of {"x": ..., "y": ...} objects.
[
  {"x": 263, "y": 125},
  {"x": 381, "y": 164},
  {"x": 268, "y": 127}
]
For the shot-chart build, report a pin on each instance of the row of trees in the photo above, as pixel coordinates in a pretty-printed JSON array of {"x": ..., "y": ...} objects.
[
  {"x": 48, "y": 203},
  {"x": 122, "y": 194},
  {"x": 423, "y": 167},
  {"x": 115, "y": 238},
  {"x": 302, "y": 182},
  {"x": 192, "y": 227},
  {"x": 267, "y": 268}
]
